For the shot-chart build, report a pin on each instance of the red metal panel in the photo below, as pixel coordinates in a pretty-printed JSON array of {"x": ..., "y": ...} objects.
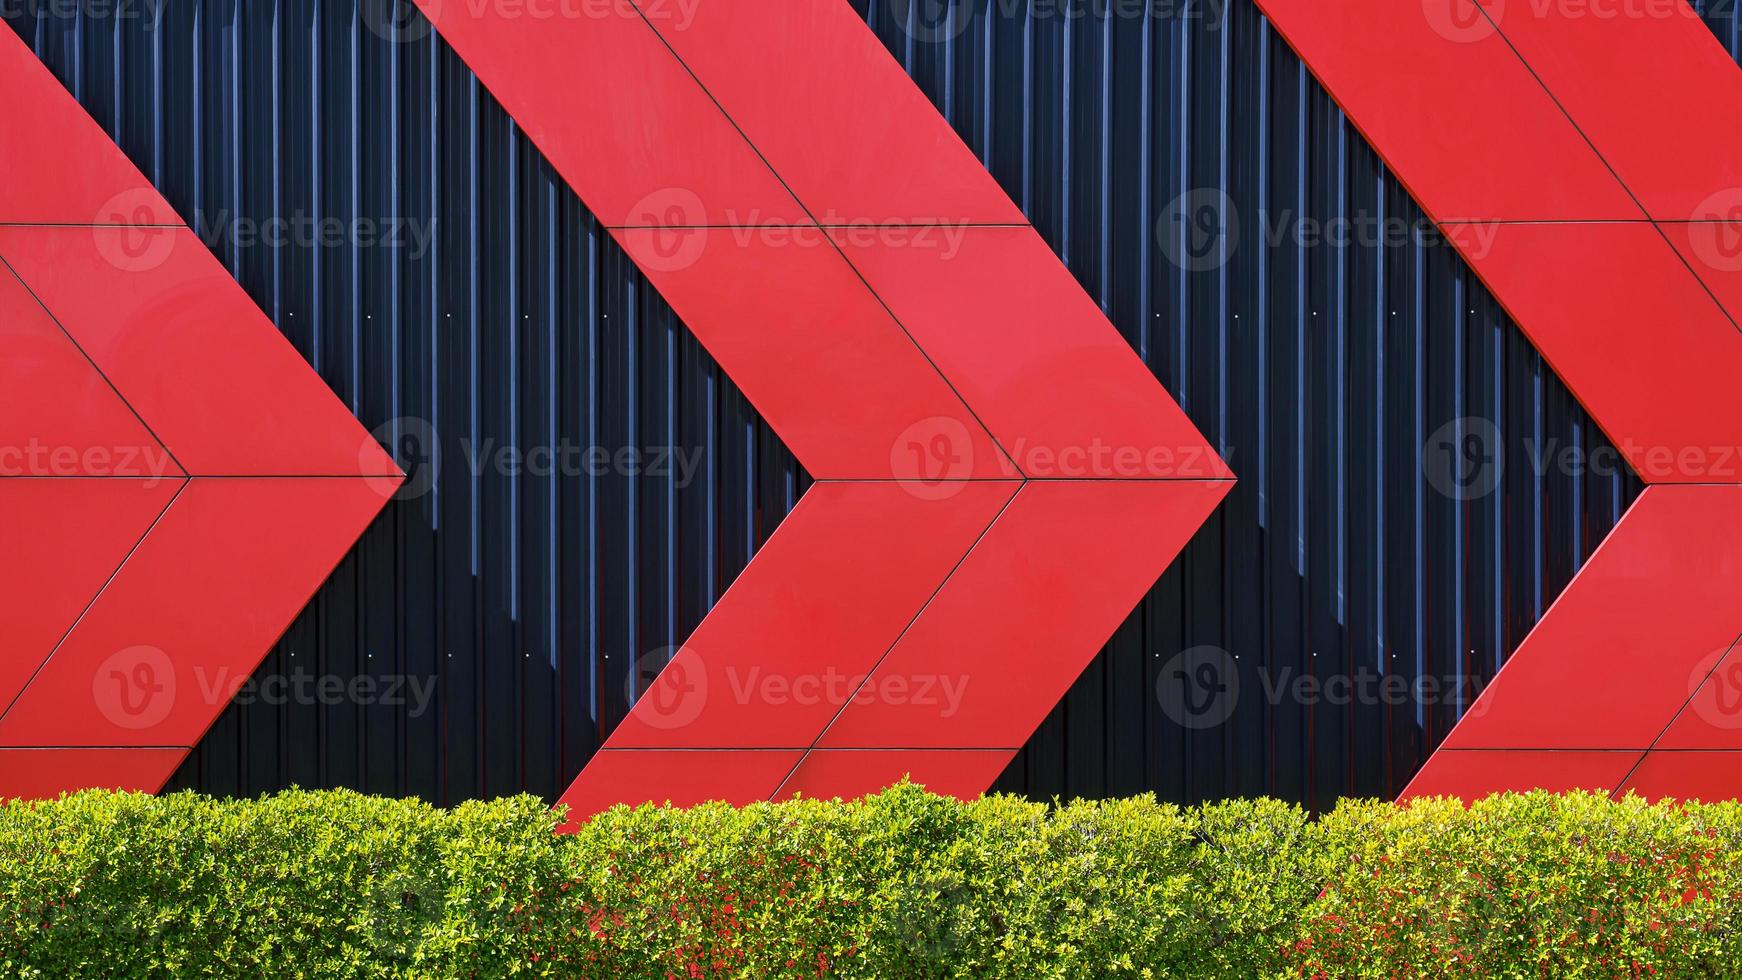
[
  {"x": 1672, "y": 133},
  {"x": 655, "y": 151},
  {"x": 1712, "y": 719},
  {"x": 1633, "y": 334},
  {"x": 681, "y": 778},
  {"x": 58, "y": 165},
  {"x": 1656, "y": 599},
  {"x": 193, "y": 355},
  {"x": 833, "y": 113},
  {"x": 821, "y": 359},
  {"x": 1506, "y": 151},
  {"x": 1025, "y": 350},
  {"x": 58, "y": 416},
  {"x": 829, "y": 593},
  {"x": 141, "y": 604},
  {"x": 1708, "y": 776},
  {"x": 1004, "y": 319},
  {"x": 1713, "y": 249},
  {"x": 60, "y": 540},
  {"x": 1473, "y": 776},
  {"x": 34, "y": 774},
  {"x": 851, "y": 773},
  {"x": 189, "y": 616},
  {"x": 1024, "y": 614},
  {"x": 1614, "y": 307}
]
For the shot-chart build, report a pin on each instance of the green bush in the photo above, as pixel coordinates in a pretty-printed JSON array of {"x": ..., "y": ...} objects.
[{"x": 901, "y": 885}]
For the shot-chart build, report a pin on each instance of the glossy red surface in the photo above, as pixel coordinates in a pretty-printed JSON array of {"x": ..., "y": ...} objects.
[
  {"x": 681, "y": 778},
  {"x": 192, "y": 612},
  {"x": 1710, "y": 777},
  {"x": 833, "y": 113},
  {"x": 1653, "y": 606},
  {"x": 1632, "y": 332},
  {"x": 57, "y": 166},
  {"x": 1398, "y": 69},
  {"x": 1035, "y": 358},
  {"x": 1713, "y": 250},
  {"x": 849, "y": 774},
  {"x": 823, "y": 600},
  {"x": 818, "y": 355},
  {"x": 58, "y": 415},
  {"x": 34, "y": 774},
  {"x": 657, "y": 152},
  {"x": 60, "y": 541},
  {"x": 175, "y": 313},
  {"x": 1023, "y": 353},
  {"x": 1628, "y": 78},
  {"x": 1630, "y": 657},
  {"x": 1472, "y": 776},
  {"x": 1019, "y": 620},
  {"x": 139, "y": 600},
  {"x": 1712, "y": 719}
]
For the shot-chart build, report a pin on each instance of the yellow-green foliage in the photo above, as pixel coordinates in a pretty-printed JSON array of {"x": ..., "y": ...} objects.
[{"x": 902, "y": 885}]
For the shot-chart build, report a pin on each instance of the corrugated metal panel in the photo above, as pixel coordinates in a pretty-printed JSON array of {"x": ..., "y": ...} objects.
[{"x": 1143, "y": 138}]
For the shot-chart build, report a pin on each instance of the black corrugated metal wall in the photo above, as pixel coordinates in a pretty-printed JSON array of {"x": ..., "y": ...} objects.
[{"x": 1385, "y": 419}]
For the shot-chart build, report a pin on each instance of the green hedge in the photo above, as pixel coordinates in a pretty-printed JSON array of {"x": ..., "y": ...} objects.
[{"x": 901, "y": 885}]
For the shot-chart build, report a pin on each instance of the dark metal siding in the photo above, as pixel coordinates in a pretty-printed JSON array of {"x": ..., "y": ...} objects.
[{"x": 1326, "y": 372}]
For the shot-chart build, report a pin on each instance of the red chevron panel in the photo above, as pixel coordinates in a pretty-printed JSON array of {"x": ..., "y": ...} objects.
[
  {"x": 34, "y": 774},
  {"x": 656, "y": 151},
  {"x": 1014, "y": 348},
  {"x": 1004, "y": 319},
  {"x": 1640, "y": 83},
  {"x": 1626, "y": 658},
  {"x": 1632, "y": 333},
  {"x": 140, "y": 599},
  {"x": 191, "y": 613},
  {"x": 1398, "y": 69},
  {"x": 1475, "y": 775},
  {"x": 1019, "y": 620},
  {"x": 818, "y": 355},
  {"x": 851, "y": 773},
  {"x": 179, "y": 315},
  {"x": 821, "y": 602},
  {"x": 56, "y": 165},
  {"x": 835, "y": 116},
  {"x": 58, "y": 416},
  {"x": 1654, "y": 603},
  {"x": 60, "y": 541}
]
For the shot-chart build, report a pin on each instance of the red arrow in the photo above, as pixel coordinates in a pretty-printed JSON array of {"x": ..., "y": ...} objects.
[
  {"x": 1000, "y": 478},
  {"x": 1588, "y": 164},
  {"x": 175, "y": 482}
]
